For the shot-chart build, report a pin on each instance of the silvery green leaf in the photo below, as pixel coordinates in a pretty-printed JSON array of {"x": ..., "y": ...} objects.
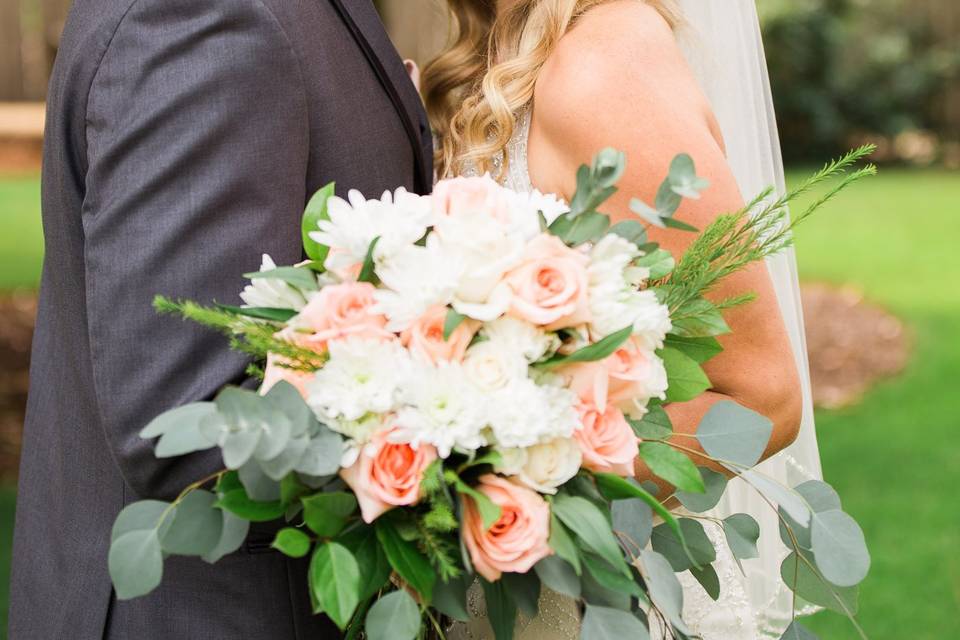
[
  {"x": 596, "y": 594},
  {"x": 733, "y": 433},
  {"x": 604, "y": 623},
  {"x": 195, "y": 526},
  {"x": 821, "y": 497},
  {"x": 237, "y": 425},
  {"x": 284, "y": 397},
  {"x": 683, "y": 177},
  {"x": 633, "y": 519},
  {"x": 708, "y": 579},
  {"x": 559, "y": 576},
  {"x": 524, "y": 589},
  {"x": 608, "y": 166},
  {"x": 274, "y": 435},
  {"x": 592, "y": 527},
  {"x": 610, "y": 578},
  {"x": 667, "y": 201},
  {"x": 839, "y": 548},
  {"x": 715, "y": 484},
  {"x": 232, "y": 534},
  {"x": 797, "y": 631},
  {"x": 395, "y": 616},
  {"x": 649, "y": 214},
  {"x": 659, "y": 262},
  {"x": 182, "y": 440},
  {"x": 257, "y": 484},
  {"x": 322, "y": 456},
  {"x": 664, "y": 587},
  {"x": 814, "y": 588},
  {"x": 672, "y": 465},
  {"x": 655, "y": 424},
  {"x": 450, "y": 597},
  {"x": 630, "y": 230},
  {"x": 666, "y": 543},
  {"x": 281, "y": 465},
  {"x": 238, "y": 447},
  {"x": 138, "y": 516},
  {"x": 135, "y": 563},
  {"x": 742, "y": 533},
  {"x": 179, "y": 418},
  {"x": 788, "y": 499}
]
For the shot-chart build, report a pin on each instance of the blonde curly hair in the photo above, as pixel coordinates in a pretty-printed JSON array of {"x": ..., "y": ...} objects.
[{"x": 475, "y": 88}]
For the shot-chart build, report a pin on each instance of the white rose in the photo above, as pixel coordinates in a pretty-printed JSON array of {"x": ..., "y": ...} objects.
[
  {"x": 492, "y": 365},
  {"x": 543, "y": 467}
]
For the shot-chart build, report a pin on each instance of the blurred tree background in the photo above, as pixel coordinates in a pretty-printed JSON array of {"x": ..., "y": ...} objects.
[{"x": 880, "y": 265}]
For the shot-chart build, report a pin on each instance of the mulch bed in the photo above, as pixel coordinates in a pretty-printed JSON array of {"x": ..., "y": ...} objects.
[{"x": 851, "y": 342}]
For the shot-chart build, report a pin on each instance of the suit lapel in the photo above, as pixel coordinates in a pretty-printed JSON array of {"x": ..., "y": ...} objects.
[{"x": 368, "y": 30}]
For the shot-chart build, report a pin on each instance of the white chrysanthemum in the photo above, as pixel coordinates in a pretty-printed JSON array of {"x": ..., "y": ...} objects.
[
  {"x": 440, "y": 408},
  {"x": 543, "y": 467},
  {"x": 491, "y": 366},
  {"x": 399, "y": 219},
  {"x": 615, "y": 297},
  {"x": 272, "y": 292},
  {"x": 415, "y": 279},
  {"x": 361, "y": 377},
  {"x": 523, "y": 338},
  {"x": 358, "y": 434},
  {"x": 528, "y": 204},
  {"x": 523, "y": 413}
]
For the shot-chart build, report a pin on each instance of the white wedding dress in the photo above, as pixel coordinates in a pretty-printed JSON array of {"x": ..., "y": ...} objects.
[{"x": 721, "y": 40}]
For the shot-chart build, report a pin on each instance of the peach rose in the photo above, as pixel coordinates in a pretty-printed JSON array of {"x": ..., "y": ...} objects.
[
  {"x": 343, "y": 310},
  {"x": 550, "y": 284},
  {"x": 606, "y": 440},
  {"x": 275, "y": 372},
  {"x": 425, "y": 336},
  {"x": 518, "y": 540},
  {"x": 466, "y": 196},
  {"x": 627, "y": 378},
  {"x": 387, "y": 474}
]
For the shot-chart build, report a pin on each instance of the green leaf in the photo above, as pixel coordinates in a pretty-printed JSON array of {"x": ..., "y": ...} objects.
[
  {"x": 562, "y": 543},
  {"x": 367, "y": 273},
  {"x": 451, "y": 322},
  {"x": 699, "y": 550},
  {"x": 335, "y": 581},
  {"x": 559, "y": 575},
  {"x": 292, "y": 542},
  {"x": 715, "y": 484},
  {"x": 797, "y": 631},
  {"x": 596, "y": 351},
  {"x": 742, "y": 533},
  {"x": 655, "y": 425},
  {"x": 673, "y": 223},
  {"x": 683, "y": 177},
  {"x": 659, "y": 262},
  {"x": 815, "y": 589},
  {"x": 731, "y": 432},
  {"x": 708, "y": 579},
  {"x": 839, "y": 548},
  {"x": 673, "y": 466},
  {"x": 591, "y": 526},
  {"x": 605, "y": 623},
  {"x": 195, "y": 527},
  {"x": 649, "y": 214},
  {"x": 489, "y": 511},
  {"x": 596, "y": 594},
  {"x": 239, "y": 503},
  {"x": 258, "y": 485},
  {"x": 302, "y": 278},
  {"x": 630, "y": 230},
  {"x": 291, "y": 488},
  {"x": 189, "y": 415},
  {"x": 667, "y": 201},
  {"x": 394, "y": 616},
  {"x": 450, "y": 598},
  {"x": 633, "y": 519},
  {"x": 138, "y": 516},
  {"x": 316, "y": 211},
  {"x": 699, "y": 349},
  {"x": 272, "y": 314},
  {"x": 501, "y": 609},
  {"x": 698, "y": 318},
  {"x": 608, "y": 577},
  {"x": 821, "y": 497},
  {"x": 233, "y": 533},
  {"x": 685, "y": 379},
  {"x": 406, "y": 559},
  {"x": 616, "y": 488},
  {"x": 327, "y": 513},
  {"x": 374, "y": 567},
  {"x": 135, "y": 563},
  {"x": 576, "y": 230},
  {"x": 663, "y": 586},
  {"x": 524, "y": 590},
  {"x": 788, "y": 499}
]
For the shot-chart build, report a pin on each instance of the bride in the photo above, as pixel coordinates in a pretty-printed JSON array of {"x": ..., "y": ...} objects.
[{"x": 530, "y": 89}]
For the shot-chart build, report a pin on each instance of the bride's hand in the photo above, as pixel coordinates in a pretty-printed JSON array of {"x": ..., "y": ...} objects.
[{"x": 619, "y": 79}]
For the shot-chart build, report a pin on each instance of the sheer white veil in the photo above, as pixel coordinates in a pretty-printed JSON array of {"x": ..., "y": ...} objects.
[{"x": 721, "y": 40}]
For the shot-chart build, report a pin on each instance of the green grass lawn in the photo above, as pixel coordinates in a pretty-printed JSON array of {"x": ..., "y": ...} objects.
[
  {"x": 21, "y": 238},
  {"x": 894, "y": 458}
]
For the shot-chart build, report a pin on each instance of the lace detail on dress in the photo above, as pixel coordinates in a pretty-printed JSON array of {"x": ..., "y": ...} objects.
[{"x": 518, "y": 175}]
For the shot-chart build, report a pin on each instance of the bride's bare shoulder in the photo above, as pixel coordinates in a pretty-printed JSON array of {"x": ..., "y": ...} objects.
[{"x": 620, "y": 63}]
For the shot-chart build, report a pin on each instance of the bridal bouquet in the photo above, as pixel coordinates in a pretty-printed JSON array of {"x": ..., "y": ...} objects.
[{"x": 457, "y": 388}]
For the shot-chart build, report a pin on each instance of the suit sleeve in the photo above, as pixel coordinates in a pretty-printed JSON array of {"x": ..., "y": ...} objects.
[{"x": 196, "y": 152}]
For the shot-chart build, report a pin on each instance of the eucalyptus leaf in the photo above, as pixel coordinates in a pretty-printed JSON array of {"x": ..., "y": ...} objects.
[
  {"x": 394, "y": 616},
  {"x": 715, "y": 484},
  {"x": 815, "y": 589},
  {"x": 708, "y": 579},
  {"x": 742, "y": 533},
  {"x": 558, "y": 575},
  {"x": 663, "y": 586},
  {"x": 633, "y": 519},
  {"x": 788, "y": 499},
  {"x": 139, "y": 516},
  {"x": 258, "y": 485},
  {"x": 667, "y": 200},
  {"x": 135, "y": 563},
  {"x": 673, "y": 223},
  {"x": 733, "y": 433},
  {"x": 608, "y": 577},
  {"x": 605, "y": 623},
  {"x": 591, "y": 526},
  {"x": 659, "y": 262},
  {"x": 292, "y": 542},
  {"x": 315, "y": 211},
  {"x": 820, "y": 497},
  {"x": 686, "y": 379},
  {"x": 673, "y": 466},
  {"x": 327, "y": 513},
  {"x": 655, "y": 425},
  {"x": 233, "y": 532},
  {"x": 797, "y": 631},
  {"x": 185, "y": 417},
  {"x": 617, "y": 488},
  {"x": 195, "y": 527},
  {"x": 335, "y": 581},
  {"x": 631, "y": 231},
  {"x": 699, "y": 549},
  {"x": 596, "y": 594},
  {"x": 562, "y": 543},
  {"x": 839, "y": 548},
  {"x": 450, "y": 598},
  {"x": 322, "y": 455}
]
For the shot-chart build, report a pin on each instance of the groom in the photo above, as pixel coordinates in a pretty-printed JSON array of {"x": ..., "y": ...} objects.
[{"x": 183, "y": 139}]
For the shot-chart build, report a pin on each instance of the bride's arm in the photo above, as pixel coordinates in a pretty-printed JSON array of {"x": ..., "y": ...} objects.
[{"x": 618, "y": 79}]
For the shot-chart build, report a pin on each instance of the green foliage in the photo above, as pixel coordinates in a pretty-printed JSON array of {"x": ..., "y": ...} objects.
[
  {"x": 335, "y": 582},
  {"x": 731, "y": 432},
  {"x": 327, "y": 513},
  {"x": 406, "y": 559},
  {"x": 394, "y": 616},
  {"x": 292, "y": 542},
  {"x": 591, "y": 353},
  {"x": 315, "y": 211},
  {"x": 673, "y": 466}
]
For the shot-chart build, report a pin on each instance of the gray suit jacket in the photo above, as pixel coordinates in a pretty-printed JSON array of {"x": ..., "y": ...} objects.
[{"x": 183, "y": 139}]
